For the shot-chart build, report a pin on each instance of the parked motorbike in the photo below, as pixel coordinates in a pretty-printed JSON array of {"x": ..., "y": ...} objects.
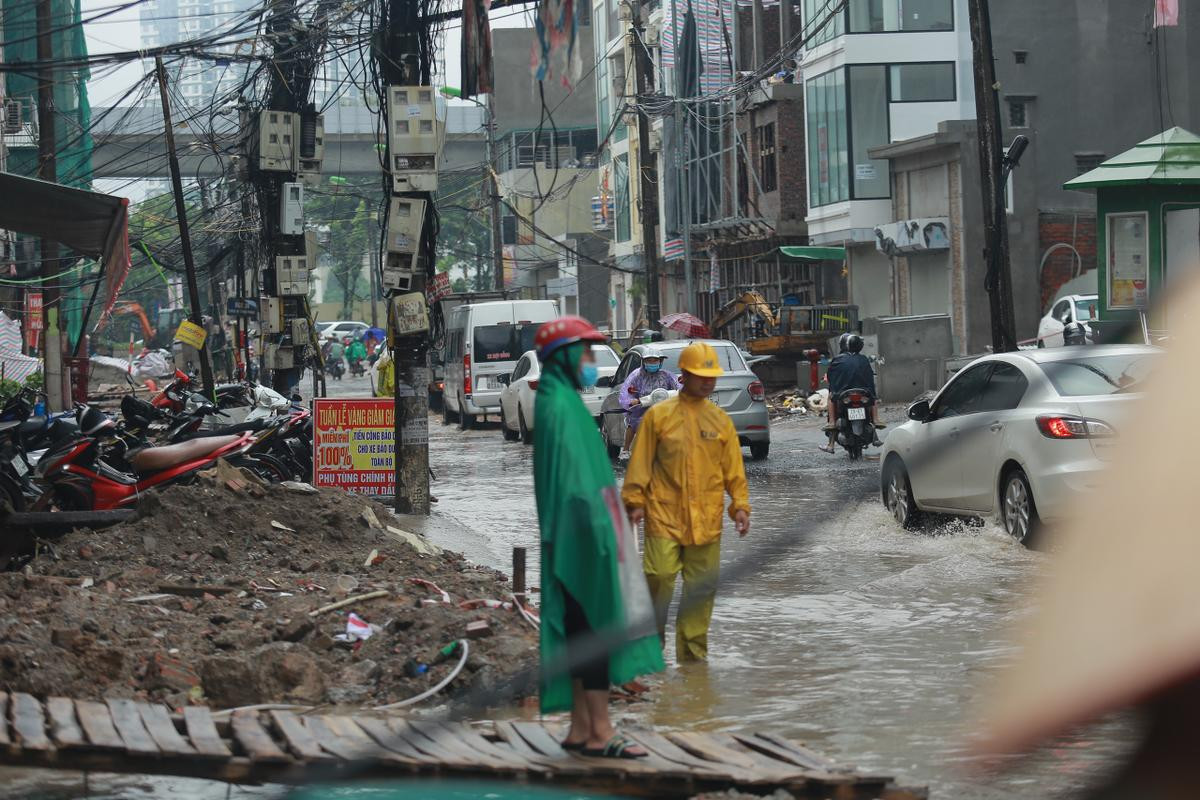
[
  {"x": 855, "y": 429},
  {"x": 79, "y": 474}
]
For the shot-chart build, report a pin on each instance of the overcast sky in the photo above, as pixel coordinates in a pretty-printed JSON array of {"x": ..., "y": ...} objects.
[{"x": 121, "y": 31}]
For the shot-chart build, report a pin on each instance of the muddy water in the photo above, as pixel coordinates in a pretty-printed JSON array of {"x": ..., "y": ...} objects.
[{"x": 831, "y": 626}]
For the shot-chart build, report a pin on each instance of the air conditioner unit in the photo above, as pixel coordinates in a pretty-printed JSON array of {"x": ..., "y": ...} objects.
[
  {"x": 12, "y": 115},
  {"x": 291, "y": 209},
  {"x": 414, "y": 138},
  {"x": 277, "y": 141}
]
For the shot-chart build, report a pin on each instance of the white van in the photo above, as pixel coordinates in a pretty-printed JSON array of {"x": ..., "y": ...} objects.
[{"x": 483, "y": 343}]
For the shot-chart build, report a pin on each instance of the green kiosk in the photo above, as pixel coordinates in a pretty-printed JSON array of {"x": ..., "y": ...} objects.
[{"x": 1148, "y": 230}]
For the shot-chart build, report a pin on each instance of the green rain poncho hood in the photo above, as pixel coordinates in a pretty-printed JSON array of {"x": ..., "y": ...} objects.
[{"x": 575, "y": 491}]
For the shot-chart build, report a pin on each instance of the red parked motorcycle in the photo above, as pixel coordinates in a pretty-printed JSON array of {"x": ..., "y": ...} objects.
[{"x": 77, "y": 477}]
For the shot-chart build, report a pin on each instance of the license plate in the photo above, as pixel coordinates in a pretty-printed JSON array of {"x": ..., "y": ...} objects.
[
  {"x": 19, "y": 465},
  {"x": 856, "y": 413}
]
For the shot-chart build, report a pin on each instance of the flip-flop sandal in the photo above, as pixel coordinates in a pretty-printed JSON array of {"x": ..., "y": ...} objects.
[{"x": 617, "y": 747}]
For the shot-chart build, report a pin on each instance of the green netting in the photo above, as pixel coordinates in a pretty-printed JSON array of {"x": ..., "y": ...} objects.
[{"x": 73, "y": 120}]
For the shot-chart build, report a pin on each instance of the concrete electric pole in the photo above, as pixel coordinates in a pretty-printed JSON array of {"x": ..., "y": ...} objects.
[{"x": 647, "y": 167}]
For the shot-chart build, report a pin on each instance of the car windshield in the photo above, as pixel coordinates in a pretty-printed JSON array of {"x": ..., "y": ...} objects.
[
  {"x": 1100, "y": 375},
  {"x": 1085, "y": 309},
  {"x": 728, "y": 356},
  {"x": 605, "y": 357}
]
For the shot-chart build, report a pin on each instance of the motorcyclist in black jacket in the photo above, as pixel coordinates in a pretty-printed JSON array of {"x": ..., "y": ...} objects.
[{"x": 850, "y": 369}]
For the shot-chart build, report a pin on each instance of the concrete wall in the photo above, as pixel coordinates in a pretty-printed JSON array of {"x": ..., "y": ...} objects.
[
  {"x": 517, "y": 103},
  {"x": 1091, "y": 82}
]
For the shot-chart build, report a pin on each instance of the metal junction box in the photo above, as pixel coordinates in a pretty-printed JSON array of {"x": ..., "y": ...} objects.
[
  {"x": 291, "y": 209},
  {"x": 410, "y": 314},
  {"x": 291, "y": 274},
  {"x": 414, "y": 138},
  {"x": 277, "y": 141},
  {"x": 406, "y": 221},
  {"x": 311, "y": 151},
  {"x": 272, "y": 315},
  {"x": 279, "y": 356}
]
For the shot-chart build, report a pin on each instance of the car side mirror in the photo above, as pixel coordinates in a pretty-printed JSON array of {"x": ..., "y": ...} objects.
[
  {"x": 505, "y": 380},
  {"x": 920, "y": 411},
  {"x": 604, "y": 381}
]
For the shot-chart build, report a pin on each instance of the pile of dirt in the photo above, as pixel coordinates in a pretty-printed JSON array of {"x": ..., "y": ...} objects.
[{"x": 206, "y": 598}]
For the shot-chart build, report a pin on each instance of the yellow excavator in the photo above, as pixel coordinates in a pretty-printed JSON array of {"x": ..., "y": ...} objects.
[{"x": 750, "y": 303}]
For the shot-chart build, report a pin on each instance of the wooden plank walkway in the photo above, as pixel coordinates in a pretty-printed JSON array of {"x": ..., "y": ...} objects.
[{"x": 133, "y": 737}]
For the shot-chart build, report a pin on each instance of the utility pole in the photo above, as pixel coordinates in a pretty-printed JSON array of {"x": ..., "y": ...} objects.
[
  {"x": 403, "y": 62},
  {"x": 48, "y": 171},
  {"x": 185, "y": 240},
  {"x": 991, "y": 167},
  {"x": 647, "y": 167},
  {"x": 493, "y": 190}
]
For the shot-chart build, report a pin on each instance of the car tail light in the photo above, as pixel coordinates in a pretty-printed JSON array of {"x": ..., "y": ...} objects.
[
  {"x": 1065, "y": 427},
  {"x": 467, "y": 374},
  {"x": 533, "y": 385},
  {"x": 757, "y": 391}
]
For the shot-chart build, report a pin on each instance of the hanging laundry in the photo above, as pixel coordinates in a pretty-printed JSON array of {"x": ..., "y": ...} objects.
[{"x": 555, "y": 54}]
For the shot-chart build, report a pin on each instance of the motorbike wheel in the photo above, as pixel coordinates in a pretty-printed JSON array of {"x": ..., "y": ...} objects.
[
  {"x": 11, "y": 498},
  {"x": 855, "y": 452},
  {"x": 269, "y": 468}
]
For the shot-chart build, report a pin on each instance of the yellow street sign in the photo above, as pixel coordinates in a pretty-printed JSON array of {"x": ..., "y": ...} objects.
[{"x": 191, "y": 334}]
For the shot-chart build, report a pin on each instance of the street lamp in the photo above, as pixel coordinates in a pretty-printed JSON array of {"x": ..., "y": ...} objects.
[{"x": 489, "y": 180}]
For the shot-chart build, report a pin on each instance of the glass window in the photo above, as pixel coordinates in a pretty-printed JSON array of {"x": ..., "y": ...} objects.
[
  {"x": 621, "y": 179},
  {"x": 1085, "y": 309},
  {"x": 1018, "y": 114},
  {"x": 816, "y": 11},
  {"x": 519, "y": 372},
  {"x": 1128, "y": 259},
  {"x": 895, "y": 16},
  {"x": 1100, "y": 375},
  {"x": 1061, "y": 312},
  {"x": 962, "y": 395},
  {"x": 494, "y": 343},
  {"x": 1005, "y": 388},
  {"x": 922, "y": 83},
  {"x": 727, "y": 356},
  {"x": 870, "y": 178},
  {"x": 826, "y": 114},
  {"x": 605, "y": 357}
]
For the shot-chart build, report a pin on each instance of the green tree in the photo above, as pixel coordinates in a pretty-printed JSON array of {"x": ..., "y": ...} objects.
[{"x": 349, "y": 212}]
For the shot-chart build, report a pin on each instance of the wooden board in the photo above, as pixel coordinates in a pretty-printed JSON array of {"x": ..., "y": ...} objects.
[
  {"x": 203, "y": 733},
  {"x": 298, "y": 739},
  {"x": 448, "y": 742},
  {"x": 4, "y": 738},
  {"x": 509, "y": 756},
  {"x": 249, "y": 733},
  {"x": 64, "y": 729},
  {"x": 341, "y": 737},
  {"x": 132, "y": 731},
  {"x": 162, "y": 730},
  {"x": 29, "y": 723},
  {"x": 783, "y": 770},
  {"x": 668, "y": 750},
  {"x": 98, "y": 725},
  {"x": 702, "y": 746},
  {"x": 387, "y": 737},
  {"x": 544, "y": 742}
]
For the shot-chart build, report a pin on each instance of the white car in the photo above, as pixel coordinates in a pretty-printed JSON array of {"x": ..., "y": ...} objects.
[
  {"x": 519, "y": 394},
  {"x": 1066, "y": 310},
  {"x": 340, "y": 329},
  {"x": 1023, "y": 435}
]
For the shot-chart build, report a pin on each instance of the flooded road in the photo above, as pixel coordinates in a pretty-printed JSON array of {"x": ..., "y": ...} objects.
[{"x": 831, "y": 624}]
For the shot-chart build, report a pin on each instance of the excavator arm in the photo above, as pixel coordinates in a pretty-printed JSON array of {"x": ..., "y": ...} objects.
[
  {"x": 130, "y": 307},
  {"x": 750, "y": 302}
]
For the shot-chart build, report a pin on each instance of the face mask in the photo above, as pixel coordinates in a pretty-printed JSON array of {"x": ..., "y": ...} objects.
[
  {"x": 652, "y": 368},
  {"x": 588, "y": 375}
]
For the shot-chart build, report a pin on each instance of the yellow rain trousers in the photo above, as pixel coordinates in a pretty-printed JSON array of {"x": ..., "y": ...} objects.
[{"x": 685, "y": 458}]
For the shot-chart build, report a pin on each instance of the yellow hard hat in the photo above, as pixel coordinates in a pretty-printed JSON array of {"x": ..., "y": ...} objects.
[{"x": 699, "y": 358}]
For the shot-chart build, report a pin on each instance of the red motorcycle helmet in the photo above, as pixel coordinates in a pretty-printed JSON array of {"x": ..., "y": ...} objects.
[{"x": 558, "y": 333}]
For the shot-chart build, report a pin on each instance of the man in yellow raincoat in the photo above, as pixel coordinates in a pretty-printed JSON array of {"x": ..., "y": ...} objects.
[{"x": 685, "y": 458}]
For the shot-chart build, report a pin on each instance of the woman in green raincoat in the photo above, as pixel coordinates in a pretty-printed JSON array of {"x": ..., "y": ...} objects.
[{"x": 582, "y": 522}]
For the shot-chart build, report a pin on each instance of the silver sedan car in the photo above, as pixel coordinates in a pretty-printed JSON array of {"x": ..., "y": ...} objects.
[{"x": 739, "y": 392}]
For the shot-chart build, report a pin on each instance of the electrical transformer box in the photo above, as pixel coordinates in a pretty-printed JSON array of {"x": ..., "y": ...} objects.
[
  {"x": 291, "y": 209},
  {"x": 406, "y": 221},
  {"x": 291, "y": 275},
  {"x": 277, "y": 141},
  {"x": 272, "y": 314},
  {"x": 414, "y": 138},
  {"x": 299, "y": 332},
  {"x": 279, "y": 356}
]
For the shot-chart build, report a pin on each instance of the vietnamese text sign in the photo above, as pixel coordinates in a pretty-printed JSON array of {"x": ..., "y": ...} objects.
[
  {"x": 354, "y": 444},
  {"x": 191, "y": 334},
  {"x": 33, "y": 311}
]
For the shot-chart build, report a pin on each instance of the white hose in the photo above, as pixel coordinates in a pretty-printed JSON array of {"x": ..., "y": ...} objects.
[
  {"x": 525, "y": 615},
  {"x": 462, "y": 662}
]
